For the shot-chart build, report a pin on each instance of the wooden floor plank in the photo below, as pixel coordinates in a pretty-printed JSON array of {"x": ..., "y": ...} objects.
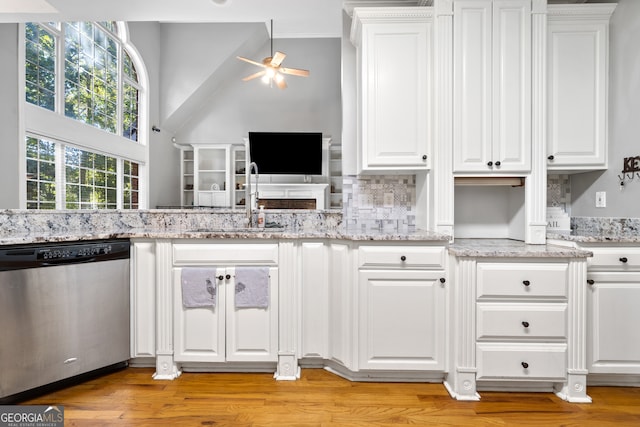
[{"x": 320, "y": 399}]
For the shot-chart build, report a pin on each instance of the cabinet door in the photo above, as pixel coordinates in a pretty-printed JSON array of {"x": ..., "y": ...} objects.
[
  {"x": 402, "y": 320},
  {"x": 199, "y": 333},
  {"x": 492, "y": 86},
  {"x": 252, "y": 333},
  {"x": 577, "y": 94},
  {"x": 314, "y": 298},
  {"x": 395, "y": 97},
  {"x": 143, "y": 299},
  {"x": 613, "y": 338}
]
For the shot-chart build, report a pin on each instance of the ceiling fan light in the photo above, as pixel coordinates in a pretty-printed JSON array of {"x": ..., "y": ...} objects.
[
  {"x": 278, "y": 77},
  {"x": 270, "y": 72},
  {"x": 266, "y": 79}
]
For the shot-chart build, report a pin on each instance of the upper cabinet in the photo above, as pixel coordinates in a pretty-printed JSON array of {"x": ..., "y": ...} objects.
[
  {"x": 492, "y": 86},
  {"x": 578, "y": 39},
  {"x": 395, "y": 83}
]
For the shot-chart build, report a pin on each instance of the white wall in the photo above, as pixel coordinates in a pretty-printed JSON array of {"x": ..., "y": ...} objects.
[
  {"x": 624, "y": 122},
  {"x": 9, "y": 131}
]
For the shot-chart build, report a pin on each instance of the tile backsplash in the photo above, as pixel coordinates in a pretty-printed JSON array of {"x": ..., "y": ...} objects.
[
  {"x": 379, "y": 202},
  {"x": 559, "y": 192}
]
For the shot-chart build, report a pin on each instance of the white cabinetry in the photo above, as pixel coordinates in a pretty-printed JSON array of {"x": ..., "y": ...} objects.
[
  {"x": 577, "y": 79},
  {"x": 186, "y": 177},
  {"x": 239, "y": 164},
  {"x": 521, "y": 321},
  {"x": 225, "y": 333},
  {"x": 401, "y": 307},
  {"x": 212, "y": 175},
  {"x": 492, "y": 86},
  {"x": 613, "y": 341},
  {"x": 394, "y": 62},
  {"x": 518, "y": 324},
  {"x": 143, "y": 299}
]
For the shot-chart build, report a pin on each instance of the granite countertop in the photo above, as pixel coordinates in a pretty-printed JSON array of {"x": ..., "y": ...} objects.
[
  {"x": 595, "y": 237},
  {"x": 227, "y": 233},
  {"x": 512, "y": 248}
]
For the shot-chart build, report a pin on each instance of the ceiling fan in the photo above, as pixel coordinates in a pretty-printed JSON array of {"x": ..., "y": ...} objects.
[{"x": 273, "y": 71}]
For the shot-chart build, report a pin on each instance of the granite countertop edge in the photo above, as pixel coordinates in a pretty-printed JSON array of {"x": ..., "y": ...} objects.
[
  {"x": 594, "y": 238},
  {"x": 266, "y": 234},
  {"x": 506, "y": 248}
]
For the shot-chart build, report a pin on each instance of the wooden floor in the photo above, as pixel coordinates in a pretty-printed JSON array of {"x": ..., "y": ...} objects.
[{"x": 132, "y": 398}]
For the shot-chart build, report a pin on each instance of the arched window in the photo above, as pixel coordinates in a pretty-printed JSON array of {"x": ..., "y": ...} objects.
[{"x": 86, "y": 73}]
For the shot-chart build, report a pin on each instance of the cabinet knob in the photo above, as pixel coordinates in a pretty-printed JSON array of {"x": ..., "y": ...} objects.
[
  {"x": 591, "y": 281},
  {"x": 525, "y": 365},
  {"x": 498, "y": 163},
  {"x": 442, "y": 280},
  {"x": 424, "y": 157},
  {"x": 228, "y": 276},
  {"x": 403, "y": 258},
  {"x": 525, "y": 324},
  {"x": 624, "y": 259},
  {"x": 551, "y": 157},
  {"x": 489, "y": 163},
  {"x": 221, "y": 277},
  {"x": 526, "y": 282}
]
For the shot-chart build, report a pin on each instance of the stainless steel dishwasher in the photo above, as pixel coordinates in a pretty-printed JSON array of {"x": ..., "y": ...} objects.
[{"x": 64, "y": 311}]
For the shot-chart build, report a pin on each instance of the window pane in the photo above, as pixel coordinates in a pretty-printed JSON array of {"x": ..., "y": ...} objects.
[
  {"x": 41, "y": 174},
  {"x": 130, "y": 185},
  {"x": 40, "y": 66},
  {"x": 89, "y": 170}
]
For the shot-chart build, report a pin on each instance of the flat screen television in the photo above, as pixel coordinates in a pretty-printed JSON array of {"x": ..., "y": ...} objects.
[{"x": 290, "y": 153}]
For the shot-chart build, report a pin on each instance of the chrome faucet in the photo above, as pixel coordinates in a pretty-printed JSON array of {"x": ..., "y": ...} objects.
[{"x": 247, "y": 190}]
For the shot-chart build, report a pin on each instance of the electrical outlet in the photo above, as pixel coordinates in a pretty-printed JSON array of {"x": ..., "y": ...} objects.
[{"x": 601, "y": 199}]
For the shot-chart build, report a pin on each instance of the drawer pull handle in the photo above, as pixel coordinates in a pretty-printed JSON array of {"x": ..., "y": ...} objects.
[
  {"x": 228, "y": 276},
  {"x": 403, "y": 258},
  {"x": 498, "y": 163},
  {"x": 442, "y": 280},
  {"x": 525, "y": 324},
  {"x": 551, "y": 157},
  {"x": 525, "y": 365},
  {"x": 624, "y": 259},
  {"x": 221, "y": 277},
  {"x": 489, "y": 164},
  {"x": 424, "y": 157},
  {"x": 591, "y": 281},
  {"x": 526, "y": 282}
]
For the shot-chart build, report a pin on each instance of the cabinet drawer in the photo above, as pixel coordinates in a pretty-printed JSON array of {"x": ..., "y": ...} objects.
[
  {"x": 617, "y": 258},
  {"x": 522, "y": 280},
  {"x": 521, "y": 361},
  {"x": 399, "y": 256},
  {"x": 225, "y": 253},
  {"x": 522, "y": 321}
]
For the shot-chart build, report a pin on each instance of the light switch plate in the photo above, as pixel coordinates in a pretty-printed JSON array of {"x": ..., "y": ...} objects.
[{"x": 601, "y": 199}]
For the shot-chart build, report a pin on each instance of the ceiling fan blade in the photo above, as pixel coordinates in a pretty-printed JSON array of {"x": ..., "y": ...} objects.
[
  {"x": 277, "y": 59},
  {"x": 253, "y": 76},
  {"x": 281, "y": 84},
  {"x": 294, "y": 72},
  {"x": 259, "y": 64}
]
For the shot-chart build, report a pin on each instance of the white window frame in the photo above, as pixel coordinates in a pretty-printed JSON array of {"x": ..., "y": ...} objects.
[{"x": 55, "y": 126}]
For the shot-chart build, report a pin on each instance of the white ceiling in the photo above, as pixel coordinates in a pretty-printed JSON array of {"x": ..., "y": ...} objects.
[{"x": 291, "y": 18}]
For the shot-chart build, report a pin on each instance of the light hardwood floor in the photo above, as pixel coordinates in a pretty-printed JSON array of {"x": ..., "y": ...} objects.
[{"x": 132, "y": 398}]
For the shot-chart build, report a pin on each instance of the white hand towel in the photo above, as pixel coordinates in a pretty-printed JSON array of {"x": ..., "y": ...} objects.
[
  {"x": 198, "y": 287},
  {"x": 252, "y": 287}
]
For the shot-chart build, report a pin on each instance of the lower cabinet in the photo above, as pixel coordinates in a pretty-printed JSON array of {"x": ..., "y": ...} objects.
[
  {"x": 225, "y": 333},
  {"x": 402, "y": 320},
  {"x": 401, "y": 308},
  {"x": 521, "y": 321},
  {"x": 613, "y": 336}
]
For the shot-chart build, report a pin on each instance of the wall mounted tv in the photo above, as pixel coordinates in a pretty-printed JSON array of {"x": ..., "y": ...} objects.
[{"x": 290, "y": 153}]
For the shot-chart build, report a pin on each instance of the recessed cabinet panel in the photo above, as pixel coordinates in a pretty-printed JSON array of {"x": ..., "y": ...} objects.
[
  {"x": 401, "y": 320},
  {"x": 577, "y": 80},
  {"x": 532, "y": 321},
  {"x": 389, "y": 256},
  {"x": 544, "y": 280},
  {"x": 613, "y": 343},
  {"x": 521, "y": 361},
  {"x": 492, "y": 86},
  {"x": 395, "y": 86}
]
